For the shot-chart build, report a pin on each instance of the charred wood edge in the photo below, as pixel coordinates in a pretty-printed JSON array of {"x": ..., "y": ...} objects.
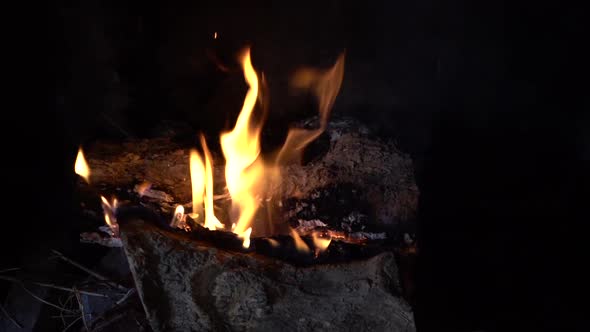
[{"x": 337, "y": 252}]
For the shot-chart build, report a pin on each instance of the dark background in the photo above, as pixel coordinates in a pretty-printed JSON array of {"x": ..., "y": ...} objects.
[{"x": 488, "y": 99}]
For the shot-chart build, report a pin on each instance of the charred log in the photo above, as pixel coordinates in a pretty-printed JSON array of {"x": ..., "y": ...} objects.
[
  {"x": 347, "y": 157},
  {"x": 186, "y": 285}
]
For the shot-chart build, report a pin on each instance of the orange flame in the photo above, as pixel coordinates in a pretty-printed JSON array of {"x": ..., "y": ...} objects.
[
  {"x": 320, "y": 243},
  {"x": 211, "y": 221},
  {"x": 241, "y": 148},
  {"x": 325, "y": 85},
  {"x": 197, "y": 171},
  {"x": 81, "y": 166},
  {"x": 109, "y": 210},
  {"x": 299, "y": 244}
]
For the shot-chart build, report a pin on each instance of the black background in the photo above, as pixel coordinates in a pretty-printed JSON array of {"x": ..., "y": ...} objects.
[{"x": 490, "y": 100}]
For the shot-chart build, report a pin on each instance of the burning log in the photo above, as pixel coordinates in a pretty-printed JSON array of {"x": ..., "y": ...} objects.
[
  {"x": 345, "y": 154},
  {"x": 187, "y": 285}
]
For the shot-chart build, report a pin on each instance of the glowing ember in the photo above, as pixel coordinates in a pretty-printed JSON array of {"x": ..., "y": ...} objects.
[
  {"x": 109, "y": 209},
  {"x": 320, "y": 243},
  {"x": 81, "y": 166},
  {"x": 274, "y": 243},
  {"x": 143, "y": 187},
  {"x": 299, "y": 244},
  {"x": 197, "y": 170},
  {"x": 241, "y": 148},
  {"x": 211, "y": 221}
]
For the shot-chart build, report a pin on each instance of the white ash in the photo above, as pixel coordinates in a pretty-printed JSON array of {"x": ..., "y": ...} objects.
[
  {"x": 368, "y": 236},
  {"x": 105, "y": 241},
  {"x": 306, "y": 226},
  {"x": 353, "y": 222},
  {"x": 153, "y": 194}
]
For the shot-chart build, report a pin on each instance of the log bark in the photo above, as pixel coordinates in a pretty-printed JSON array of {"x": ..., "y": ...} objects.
[
  {"x": 351, "y": 155},
  {"x": 186, "y": 285}
]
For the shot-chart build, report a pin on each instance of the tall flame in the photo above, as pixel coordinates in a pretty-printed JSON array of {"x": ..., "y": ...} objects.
[
  {"x": 197, "y": 171},
  {"x": 325, "y": 84},
  {"x": 81, "y": 166},
  {"x": 211, "y": 221},
  {"x": 241, "y": 148}
]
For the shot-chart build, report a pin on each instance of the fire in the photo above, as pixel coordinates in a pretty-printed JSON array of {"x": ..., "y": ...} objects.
[
  {"x": 246, "y": 236},
  {"x": 81, "y": 166},
  {"x": 197, "y": 171},
  {"x": 325, "y": 85},
  {"x": 211, "y": 221},
  {"x": 143, "y": 187},
  {"x": 299, "y": 244},
  {"x": 320, "y": 243},
  {"x": 241, "y": 148},
  {"x": 109, "y": 209},
  {"x": 179, "y": 219}
]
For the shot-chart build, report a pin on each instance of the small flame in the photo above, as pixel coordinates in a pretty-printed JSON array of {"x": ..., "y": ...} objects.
[
  {"x": 299, "y": 244},
  {"x": 109, "y": 210},
  {"x": 211, "y": 221},
  {"x": 246, "y": 236},
  {"x": 197, "y": 171},
  {"x": 273, "y": 243},
  {"x": 325, "y": 85},
  {"x": 81, "y": 166},
  {"x": 241, "y": 148},
  {"x": 215, "y": 35},
  {"x": 320, "y": 243},
  {"x": 179, "y": 219}
]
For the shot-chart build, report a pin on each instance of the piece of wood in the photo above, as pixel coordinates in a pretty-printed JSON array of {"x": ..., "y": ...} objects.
[
  {"x": 186, "y": 285},
  {"x": 346, "y": 154}
]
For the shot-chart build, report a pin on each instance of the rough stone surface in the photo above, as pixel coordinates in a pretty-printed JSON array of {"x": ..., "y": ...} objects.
[
  {"x": 349, "y": 154},
  {"x": 187, "y": 286}
]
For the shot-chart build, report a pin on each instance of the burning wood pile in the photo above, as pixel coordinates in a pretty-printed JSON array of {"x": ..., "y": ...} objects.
[{"x": 246, "y": 241}]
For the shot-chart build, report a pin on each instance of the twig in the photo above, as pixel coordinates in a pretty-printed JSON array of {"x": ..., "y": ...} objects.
[
  {"x": 89, "y": 271},
  {"x": 115, "y": 125},
  {"x": 44, "y": 301},
  {"x": 11, "y": 269},
  {"x": 124, "y": 298},
  {"x": 42, "y": 284},
  {"x": 81, "y": 306},
  {"x": 72, "y": 323},
  {"x": 112, "y": 319},
  {"x": 61, "y": 314},
  {"x": 10, "y": 317}
]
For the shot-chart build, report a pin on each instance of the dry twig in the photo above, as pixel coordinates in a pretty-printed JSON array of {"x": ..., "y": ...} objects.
[
  {"x": 43, "y": 300},
  {"x": 124, "y": 298},
  {"x": 81, "y": 306},
  {"x": 10, "y": 317},
  {"x": 71, "y": 324},
  {"x": 42, "y": 284},
  {"x": 89, "y": 271},
  {"x": 10, "y": 269}
]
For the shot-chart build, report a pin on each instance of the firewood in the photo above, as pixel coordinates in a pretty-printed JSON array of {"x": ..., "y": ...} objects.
[
  {"x": 345, "y": 154},
  {"x": 188, "y": 285}
]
